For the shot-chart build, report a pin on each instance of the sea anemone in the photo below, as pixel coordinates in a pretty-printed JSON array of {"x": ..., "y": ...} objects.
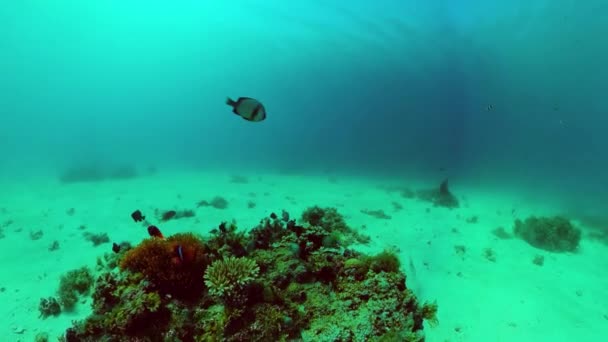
[{"x": 174, "y": 265}]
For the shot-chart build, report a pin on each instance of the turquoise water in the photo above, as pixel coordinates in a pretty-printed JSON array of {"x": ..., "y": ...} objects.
[
  {"x": 508, "y": 95},
  {"x": 402, "y": 86}
]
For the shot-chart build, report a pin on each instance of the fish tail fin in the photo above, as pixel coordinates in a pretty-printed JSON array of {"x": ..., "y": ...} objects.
[{"x": 230, "y": 102}]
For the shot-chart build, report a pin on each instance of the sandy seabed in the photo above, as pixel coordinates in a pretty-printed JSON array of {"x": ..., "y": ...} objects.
[{"x": 487, "y": 288}]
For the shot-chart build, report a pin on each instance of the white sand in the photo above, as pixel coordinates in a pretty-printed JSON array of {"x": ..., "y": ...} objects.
[{"x": 510, "y": 299}]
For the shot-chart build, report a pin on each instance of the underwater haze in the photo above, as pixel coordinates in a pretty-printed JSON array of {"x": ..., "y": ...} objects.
[
  {"x": 391, "y": 87},
  {"x": 496, "y": 96}
]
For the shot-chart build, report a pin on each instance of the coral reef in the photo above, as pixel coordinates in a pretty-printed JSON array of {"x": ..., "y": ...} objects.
[
  {"x": 217, "y": 202},
  {"x": 281, "y": 281},
  {"x": 554, "y": 234},
  {"x": 489, "y": 254},
  {"x": 41, "y": 337},
  {"x": 73, "y": 283},
  {"x": 96, "y": 239},
  {"x": 440, "y": 197},
  {"x": 49, "y": 307},
  {"x": 538, "y": 260},
  {"x": 54, "y": 246},
  {"x": 331, "y": 222},
  {"x": 384, "y": 262},
  {"x": 226, "y": 241},
  {"x": 141, "y": 314},
  {"x": 501, "y": 233},
  {"x": 228, "y": 278},
  {"x": 36, "y": 235}
]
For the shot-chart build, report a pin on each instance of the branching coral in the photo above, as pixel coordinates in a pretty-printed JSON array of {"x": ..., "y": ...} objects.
[
  {"x": 72, "y": 284},
  {"x": 227, "y": 278},
  {"x": 384, "y": 262},
  {"x": 123, "y": 307},
  {"x": 328, "y": 218},
  {"x": 227, "y": 241},
  {"x": 49, "y": 307},
  {"x": 265, "y": 233},
  {"x": 332, "y": 222},
  {"x": 143, "y": 308}
]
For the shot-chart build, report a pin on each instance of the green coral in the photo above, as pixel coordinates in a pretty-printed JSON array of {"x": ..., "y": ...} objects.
[
  {"x": 379, "y": 304},
  {"x": 327, "y": 218},
  {"x": 384, "y": 262},
  {"x": 356, "y": 268},
  {"x": 210, "y": 323},
  {"x": 554, "y": 234},
  {"x": 227, "y": 241},
  {"x": 41, "y": 337},
  {"x": 335, "y": 229},
  {"x": 268, "y": 231},
  {"x": 141, "y": 309},
  {"x": 123, "y": 306},
  {"x": 49, "y": 307},
  {"x": 227, "y": 278},
  {"x": 72, "y": 284},
  {"x": 267, "y": 322}
]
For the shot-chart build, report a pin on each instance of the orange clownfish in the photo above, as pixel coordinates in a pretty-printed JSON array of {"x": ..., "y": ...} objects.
[{"x": 155, "y": 232}]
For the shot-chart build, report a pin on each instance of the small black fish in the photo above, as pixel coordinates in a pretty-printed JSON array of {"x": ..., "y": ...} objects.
[
  {"x": 167, "y": 215},
  {"x": 137, "y": 216},
  {"x": 489, "y": 108},
  {"x": 284, "y": 215},
  {"x": 273, "y": 216},
  {"x": 115, "y": 248},
  {"x": 248, "y": 108}
]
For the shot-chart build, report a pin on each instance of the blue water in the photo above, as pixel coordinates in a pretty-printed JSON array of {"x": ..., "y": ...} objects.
[{"x": 358, "y": 87}]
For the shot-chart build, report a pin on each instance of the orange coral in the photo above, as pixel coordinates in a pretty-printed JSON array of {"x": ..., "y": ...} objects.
[{"x": 175, "y": 265}]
